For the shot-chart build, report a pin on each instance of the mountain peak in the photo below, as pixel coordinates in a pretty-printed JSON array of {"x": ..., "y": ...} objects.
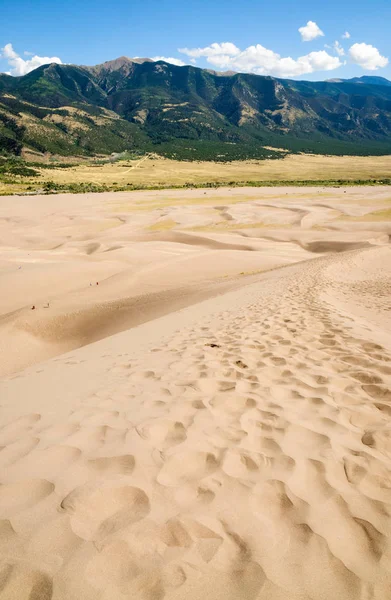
[
  {"x": 117, "y": 64},
  {"x": 221, "y": 73},
  {"x": 140, "y": 60},
  {"x": 364, "y": 79}
]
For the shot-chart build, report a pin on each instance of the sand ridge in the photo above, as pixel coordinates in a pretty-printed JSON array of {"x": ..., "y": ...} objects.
[{"x": 236, "y": 449}]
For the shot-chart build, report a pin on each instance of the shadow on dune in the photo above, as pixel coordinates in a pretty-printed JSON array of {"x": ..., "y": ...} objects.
[
  {"x": 322, "y": 246},
  {"x": 193, "y": 240}
]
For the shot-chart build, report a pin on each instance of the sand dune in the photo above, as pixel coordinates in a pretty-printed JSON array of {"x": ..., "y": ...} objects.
[
  {"x": 95, "y": 264},
  {"x": 239, "y": 448},
  {"x": 235, "y": 445}
]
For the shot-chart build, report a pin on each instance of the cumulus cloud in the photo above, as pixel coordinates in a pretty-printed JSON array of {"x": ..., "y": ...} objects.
[
  {"x": 223, "y": 49},
  {"x": 262, "y": 61},
  {"x": 310, "y": 31},
  {"x": 338, "y": 48},
  {"x": 174, "y": 61},
  {"x": 367, "y": 56},
  {"x": 346, "y": 35},
  {"x": 19, "y": 66}
]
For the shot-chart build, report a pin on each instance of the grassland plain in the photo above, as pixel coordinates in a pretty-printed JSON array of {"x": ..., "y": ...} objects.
[{"x": 153, "y": 172}]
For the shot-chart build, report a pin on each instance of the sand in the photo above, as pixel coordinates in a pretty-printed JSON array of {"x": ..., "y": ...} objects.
[
  {"x": 232, "y": 448},
  {"x": 152, "y": 253}
]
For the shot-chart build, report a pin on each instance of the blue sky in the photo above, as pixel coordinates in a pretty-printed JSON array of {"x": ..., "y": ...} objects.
[{"x": 260, "y": 37}]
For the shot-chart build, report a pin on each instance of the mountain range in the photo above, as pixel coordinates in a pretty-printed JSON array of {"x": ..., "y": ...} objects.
[{"x": 187, "y": 112}]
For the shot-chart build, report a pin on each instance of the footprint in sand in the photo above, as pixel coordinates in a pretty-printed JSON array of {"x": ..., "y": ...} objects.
[
  {"x": 17, "y": 428},
  {"x": 114, "y": 565},
  {"x": 188, "y": 466},
  {"x": 16, "y": 497},
  {"x": 19, "y": 582},
  {"x": 17, "y": 450},
  {"x": 377, "y": 392},
  {"x": 97, "y": 512},
  {"x": 113, "y": 465},
  {"x": 44, "y": 464},
  {"x": 240, "y": 465},
  {"x": 231, "y": 403},
  {"x": 162, "y": 433},
  {"x": 368, "y": 378}
]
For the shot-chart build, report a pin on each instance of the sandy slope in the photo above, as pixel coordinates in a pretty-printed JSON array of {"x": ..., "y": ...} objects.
[
  {"x": 154, "y": 252},
  {"x": 238, "y": 449}
]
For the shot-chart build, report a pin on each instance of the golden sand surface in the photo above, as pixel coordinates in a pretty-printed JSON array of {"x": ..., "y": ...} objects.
[{"x": 199, "y": 403}]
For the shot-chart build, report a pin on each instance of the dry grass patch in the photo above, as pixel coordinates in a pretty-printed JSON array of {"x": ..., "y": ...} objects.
[
  {"x": 229, "y": 226},
  {"x": 163, "y": 202},
  {"x": 165, "y": 225},
  {"x": 166, "y": 172},
  {"x": 157, "y": 172},
  {"x": 377, "y": 215}
]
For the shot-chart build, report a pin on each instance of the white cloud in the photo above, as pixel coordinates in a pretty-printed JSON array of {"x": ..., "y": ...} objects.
[
  {"x": 262, "y": 61},
  {"x": 19, "y": 66},
  {"x": 310, "y": 31},
  {"x": 338, "y": 48},
  {"x": 223, "y": 49},
  {"x": 174, "y": 61},
  {"x": 346, "y": 35},
  {"x": 367, "y": 56}
]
